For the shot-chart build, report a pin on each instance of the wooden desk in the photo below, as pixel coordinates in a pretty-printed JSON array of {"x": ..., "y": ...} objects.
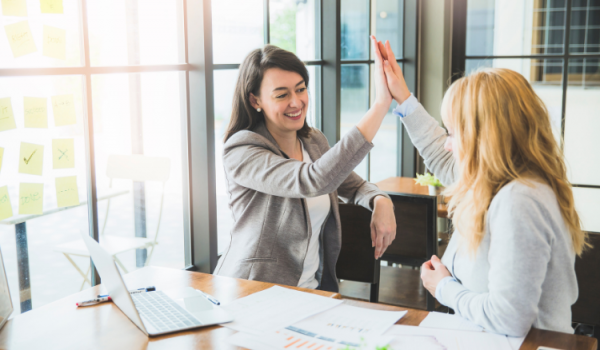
[
  {"x": 408, "y": 185},
  {"x": 60, "y": 325}
]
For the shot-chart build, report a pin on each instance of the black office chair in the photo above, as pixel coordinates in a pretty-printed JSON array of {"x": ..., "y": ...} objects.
[
  {"x": 415, "y": 243},
  {"x": 587, "y": 308}
]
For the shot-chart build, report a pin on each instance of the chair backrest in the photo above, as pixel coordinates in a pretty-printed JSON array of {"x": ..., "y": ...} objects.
[
  {"x": 138, "y": 167},
  {"x": 357, "y": 258},
  {"x": 587, "y": 267},
  {"x": 416, "y": 231}
]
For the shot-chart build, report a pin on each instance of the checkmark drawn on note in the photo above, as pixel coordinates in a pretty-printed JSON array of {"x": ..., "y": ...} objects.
[{"x": 27, "y": 160}]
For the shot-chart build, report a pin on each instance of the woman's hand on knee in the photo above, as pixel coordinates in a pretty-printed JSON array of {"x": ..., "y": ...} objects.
[
  {"x": 432, "y": 272},
  {"x": 383, "y": 225}
]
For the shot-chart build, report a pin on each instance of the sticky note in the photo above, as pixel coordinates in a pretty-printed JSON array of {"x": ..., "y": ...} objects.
[
  {"x": 5, "y": 206},
  {"x": 14, "y": 8},
  {"x": 51, "y": 6},
  {"x": 55, "y": 43},
  {"x": 20, "y": 39},
  {"x": 31, "y": 199},
  {"x": 63, "y": 156},
  {"x": 1, "y": 156},
  {"x": 67, "y": 194},
  {"x": 7, "y": 119},
  {"x": 31, "y": 159},
  {"x": 64, "y": 110},
  {"x": 36, "y": 112}
]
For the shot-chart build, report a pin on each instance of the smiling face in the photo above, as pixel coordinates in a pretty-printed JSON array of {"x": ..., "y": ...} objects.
[{"x": 283, "y": 100}]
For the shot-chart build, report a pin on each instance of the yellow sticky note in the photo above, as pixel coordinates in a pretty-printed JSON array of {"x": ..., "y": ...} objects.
[
  {"x": 63, "y": 156},
  {"x": 1, "y": 156},
  {"x": 31, "y": 159},
  {"x": 64, "y": 110},
  {"x": 7, "y": 118},
  {"x": 5, "y": 207},
  {"x": 20, "y": 39},
  {"x": 36, "y": 112},
  {"x": 51, "y": 6},
  {"x": 67, "y": 194},
  {"x": 31, "y": 199},
  {"x": 55, "y": 43},
  {"x": 14, "y": 8}
]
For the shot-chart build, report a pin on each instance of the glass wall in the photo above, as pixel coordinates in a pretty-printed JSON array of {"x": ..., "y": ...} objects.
[
  {"x": 530, "y": 37},
  {"x": 359, "y": 19},
  {"x": 59, "y": 86}
]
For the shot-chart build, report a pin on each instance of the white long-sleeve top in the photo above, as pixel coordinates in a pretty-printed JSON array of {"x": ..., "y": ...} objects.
[{"x": 523, "y": 273}]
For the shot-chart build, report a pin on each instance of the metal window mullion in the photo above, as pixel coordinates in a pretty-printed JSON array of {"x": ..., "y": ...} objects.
[
  {"x": 266, "y": 22},
  {"x": 331, "y": 69},
  {"x": 88, "y": 122},
  {"x": 565, "y": 77}
]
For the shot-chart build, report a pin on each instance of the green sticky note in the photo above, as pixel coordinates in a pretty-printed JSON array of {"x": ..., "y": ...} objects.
[
  {"x": 5, "y": 206},
  {"x": 67, "y": 194},
  {"x": 31, "y": 159},
  {"x": 63, "y": 156},
  {"x": 36, "y": 112},
  {"x": 51, "y": 6},
  {"x": 63, "y": 109},
  {"x": 14, "y": 8},
  {"x": 20, "y": 39},
  {"x": 7, "y": 118},
  {"x": 31, "y": 199}
]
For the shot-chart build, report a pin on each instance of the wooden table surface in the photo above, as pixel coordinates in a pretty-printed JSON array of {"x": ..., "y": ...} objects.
[
  {"x": 408, "y": 185},
  {"x": 60, "y": 325}
]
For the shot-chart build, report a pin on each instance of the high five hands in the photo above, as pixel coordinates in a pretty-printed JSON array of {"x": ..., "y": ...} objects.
[{"x": 393, "y": 73}]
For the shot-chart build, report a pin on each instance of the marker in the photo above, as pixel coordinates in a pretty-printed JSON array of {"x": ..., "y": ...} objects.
[
  {"x": 93, "y": 301},
  {"x": 134, "y": 291},
  {"x": 210, "y": 298}
]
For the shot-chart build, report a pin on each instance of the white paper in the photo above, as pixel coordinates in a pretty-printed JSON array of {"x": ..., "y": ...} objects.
[
  {"x": 275, "y": 308},
  {"x": 286, "y": 339},
  {"x": 448, "y": 339},
  {"x": 447, "y": 321},
  {"x": 348, "y": 323}
]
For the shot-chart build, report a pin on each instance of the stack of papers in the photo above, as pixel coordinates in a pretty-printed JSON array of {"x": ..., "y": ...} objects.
[{"x": 281, "y": 318}]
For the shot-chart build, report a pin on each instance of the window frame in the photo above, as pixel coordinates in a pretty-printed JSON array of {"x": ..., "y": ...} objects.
[{"x": 459, "y": 57}]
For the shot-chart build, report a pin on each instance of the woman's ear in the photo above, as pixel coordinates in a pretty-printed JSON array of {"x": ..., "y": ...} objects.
[{"x": 254, "y": 101}]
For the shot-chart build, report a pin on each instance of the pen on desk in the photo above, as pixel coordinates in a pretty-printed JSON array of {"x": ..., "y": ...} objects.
[
  {"x": 211, "y": 298},
  {"x": 93, "y": 301},
  {"x": 135, "y": 291}
]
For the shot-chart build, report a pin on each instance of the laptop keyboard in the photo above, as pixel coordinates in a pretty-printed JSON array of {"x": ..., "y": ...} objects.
[{"x": 162, "y": 312}]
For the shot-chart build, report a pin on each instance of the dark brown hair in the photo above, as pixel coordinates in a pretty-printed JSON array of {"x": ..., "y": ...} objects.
[{"x": 252, "y": 70}]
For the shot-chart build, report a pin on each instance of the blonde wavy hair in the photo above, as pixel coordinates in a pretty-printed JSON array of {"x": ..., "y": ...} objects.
[{"x": 503, "y": 133}]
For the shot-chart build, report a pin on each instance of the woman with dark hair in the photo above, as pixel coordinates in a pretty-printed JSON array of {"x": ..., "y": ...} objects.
[{"x": 284, "y": 180}]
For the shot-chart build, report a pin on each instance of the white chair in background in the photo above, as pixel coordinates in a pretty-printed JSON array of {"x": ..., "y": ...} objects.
[{"x": 131, "y": 167}]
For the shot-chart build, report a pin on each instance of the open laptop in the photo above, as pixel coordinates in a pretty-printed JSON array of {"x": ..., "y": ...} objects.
[
  {"x": 6, "y": 307},
  {"x": 157, "y": 312}
]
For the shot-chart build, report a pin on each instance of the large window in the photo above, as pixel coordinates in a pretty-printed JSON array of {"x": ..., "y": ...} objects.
[
  {"x": 359, "y": 19},
  {"x": 555, "y": 44},
  {"x": 88, "y": 89}
]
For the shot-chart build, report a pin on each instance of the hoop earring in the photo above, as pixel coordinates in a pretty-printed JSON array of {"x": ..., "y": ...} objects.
[{"x": 258, "y": 109}]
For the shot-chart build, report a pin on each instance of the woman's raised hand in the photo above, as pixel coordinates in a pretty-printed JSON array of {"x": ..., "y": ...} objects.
[
  {"x": 382, "y": 92},
  {"x": 393, "y": 73}
]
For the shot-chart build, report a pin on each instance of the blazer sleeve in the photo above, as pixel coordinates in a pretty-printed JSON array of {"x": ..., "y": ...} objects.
[
  {"x": 256, "y": 166},
  {"x": 429, "y": 138},
  {"x": 357, "y": 191}
]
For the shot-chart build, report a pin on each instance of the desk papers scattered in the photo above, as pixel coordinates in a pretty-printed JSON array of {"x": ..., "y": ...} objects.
[
  {"x": 422, "y": 338},
  {"x": 455, "y": 322},
  {"x": 275, "y": 308},
  {"x": 339, "y": 327}
]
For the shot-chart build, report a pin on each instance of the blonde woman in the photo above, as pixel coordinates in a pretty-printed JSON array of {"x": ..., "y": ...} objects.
[{"x": 510, "y": 264}]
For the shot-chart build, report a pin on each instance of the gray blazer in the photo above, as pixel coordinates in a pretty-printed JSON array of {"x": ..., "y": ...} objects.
[{"x": 267, "y": 192}]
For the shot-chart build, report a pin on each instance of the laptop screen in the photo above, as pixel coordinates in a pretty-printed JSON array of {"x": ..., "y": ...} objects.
[{"x": 6, "y": 307}]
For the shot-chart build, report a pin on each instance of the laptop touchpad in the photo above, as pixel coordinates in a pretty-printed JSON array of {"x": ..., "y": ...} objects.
[{"x": 197, "y": 303}]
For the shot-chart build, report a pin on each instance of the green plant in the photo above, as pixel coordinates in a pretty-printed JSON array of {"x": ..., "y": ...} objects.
[{"x": 428, "y": 180}]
